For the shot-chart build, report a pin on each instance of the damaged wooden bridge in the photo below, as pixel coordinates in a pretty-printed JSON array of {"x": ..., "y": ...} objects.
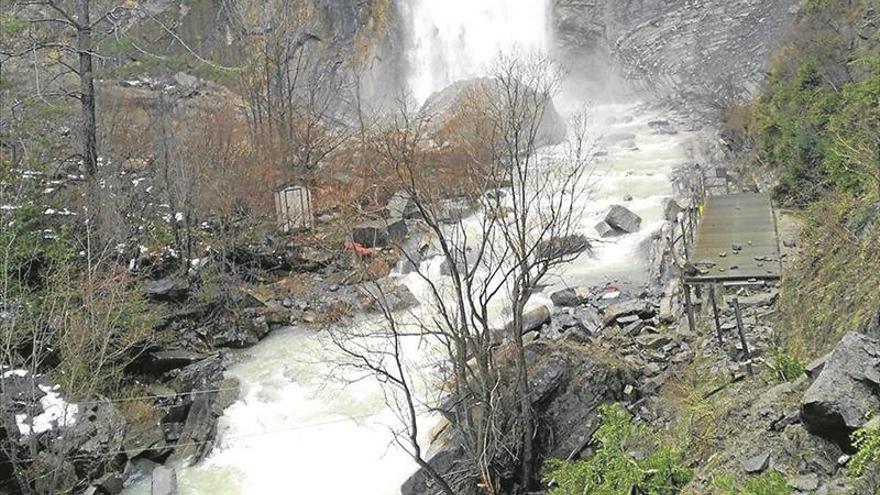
[{"x": 735, "y": 242}]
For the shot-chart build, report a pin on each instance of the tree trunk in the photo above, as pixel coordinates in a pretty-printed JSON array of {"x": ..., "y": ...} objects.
[
  {"x": 526, "y": 413},
  {"x": 87, "y": 91}
]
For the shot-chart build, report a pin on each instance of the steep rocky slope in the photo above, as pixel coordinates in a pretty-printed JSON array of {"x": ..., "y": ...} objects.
[{"x": 713, "y": 49}]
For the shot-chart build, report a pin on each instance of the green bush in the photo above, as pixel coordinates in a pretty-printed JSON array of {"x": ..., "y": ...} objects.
[
  {"x": 815, "y": 125},
  {"x": 867, "y": 441},
  {"x": 613, "y": 470},
  {"x": 769, "y": 483},
  {"x": 787, "y": 367}
]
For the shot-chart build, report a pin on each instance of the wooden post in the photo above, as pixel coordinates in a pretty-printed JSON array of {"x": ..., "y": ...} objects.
[
  {"x": 742, "y": 336},
  {"x": 715, "y": 313},
  {"x": 684, "y": 240},
  {"x": 691, "y": 211},
  {"x": 689, "y": 308}
]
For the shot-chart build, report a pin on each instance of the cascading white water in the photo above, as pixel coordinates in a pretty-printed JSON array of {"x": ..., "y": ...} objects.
[
  {"x": 451, "y": 40},
  {"x": 296, "y": 429}
]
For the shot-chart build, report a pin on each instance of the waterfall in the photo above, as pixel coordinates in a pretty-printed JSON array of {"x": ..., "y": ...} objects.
[
  {"x": 451, "y": 40},
  {"x": 301, "y": 427}
]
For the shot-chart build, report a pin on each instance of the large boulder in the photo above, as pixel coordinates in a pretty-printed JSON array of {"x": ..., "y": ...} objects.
[
  {"x": 379, "y": 233},
  {"x": 386, "y": 295},
  {"x": 641, "y": 308},
  {"x": 450, "y": 108},
  {"x": 533, "y": 319},
  {"x": 572, "y": 296},
  {"x": 562, "y": 246},
  {"x": 846, "y": 391},
  {"x": 623, "y": 220},
  {"x": 568, "y": 384}
]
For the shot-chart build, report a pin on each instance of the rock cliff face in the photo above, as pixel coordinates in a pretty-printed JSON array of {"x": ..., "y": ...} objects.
[
  {"x": 363, "y": 35},
  {"x": 705, "y": 49}
]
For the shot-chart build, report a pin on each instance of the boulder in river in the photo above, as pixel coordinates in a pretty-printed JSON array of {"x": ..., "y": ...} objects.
[
  {"x": 846, "y": 391},
  {"x": 559, "y": 247},
  {"x": 622, "y": 219},
  {"x": 603, "y": 229}
]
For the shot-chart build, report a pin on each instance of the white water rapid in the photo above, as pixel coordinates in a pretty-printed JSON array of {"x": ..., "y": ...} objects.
[{"x": 296, "y": 429}]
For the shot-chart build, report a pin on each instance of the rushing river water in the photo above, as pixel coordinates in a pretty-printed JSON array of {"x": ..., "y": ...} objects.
[{"x": 297, "y": 428}]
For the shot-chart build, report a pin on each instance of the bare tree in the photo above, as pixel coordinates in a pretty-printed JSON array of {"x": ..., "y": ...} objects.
[
  {"x": 293, "y": 89},
  {"x": 528, "y": 206}
]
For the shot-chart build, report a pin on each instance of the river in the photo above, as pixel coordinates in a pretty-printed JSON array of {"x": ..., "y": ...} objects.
[{"x": 297, "y": 427}]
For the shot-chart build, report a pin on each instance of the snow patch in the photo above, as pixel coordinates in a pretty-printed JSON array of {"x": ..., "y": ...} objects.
[{"x": 56, "y": 413}]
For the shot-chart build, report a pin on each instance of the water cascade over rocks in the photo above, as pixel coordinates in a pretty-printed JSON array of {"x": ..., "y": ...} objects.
[{"x": 297, "y": 427}]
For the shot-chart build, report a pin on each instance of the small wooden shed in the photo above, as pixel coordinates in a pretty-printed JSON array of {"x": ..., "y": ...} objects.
[{"x": 293, "y": 207}]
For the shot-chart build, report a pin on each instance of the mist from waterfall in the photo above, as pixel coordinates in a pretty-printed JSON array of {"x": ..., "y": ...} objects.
[
  {"x": 452, "y": 40},
  {"x": 302, "y": 425}
]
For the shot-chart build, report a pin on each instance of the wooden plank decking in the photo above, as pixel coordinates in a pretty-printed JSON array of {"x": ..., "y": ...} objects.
[{"x": 744, "y": 220}]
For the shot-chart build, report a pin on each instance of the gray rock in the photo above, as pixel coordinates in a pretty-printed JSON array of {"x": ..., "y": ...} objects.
[
  {"x": 816, "y": 366},
  {"x": 444, "y": 460},
  {"x": 162, "y": 361},
  {"x": 634, "y": 328},
  {"x": 535, "y": 318},
  {"x": 653, "y": 341},
  {"x": 670, "y": 309},
  {"x": 166, "y": 289},
  {"x": 379, "y": 233},
  {"x": 186, "y": 80},
  {"x": 626, "y": 320},
  {"x": 164, "y": 481},
  {"x": 620, "y": 218},
  {"x": 643, "y": 309},
  {"x": 386, "y": 294},
  {"x": 453, "y": 210},
  {"x": 588, "y": 319},
  {"x": 198, "y": 430},
  {"x": 845, "y": 391},
  {"x": 757, "y": 464},
  {"x": 806, "y": 482},
  {"x": 574, "y": 296},
  {"x": 401, "y": 205},
  {"x": 110, "y": 483},
  {"x": 671, "y": 209},
  {"x": 760, "y": 299},
  {"x": 560, "y": 247},
  {"x": 603, "y": 229},
  {"x": 789, "y": 241},
  {"x": 568, "y": 386}
]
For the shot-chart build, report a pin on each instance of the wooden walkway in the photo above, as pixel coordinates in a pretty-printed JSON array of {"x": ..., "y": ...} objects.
[{"x": 736, "y": 240}]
